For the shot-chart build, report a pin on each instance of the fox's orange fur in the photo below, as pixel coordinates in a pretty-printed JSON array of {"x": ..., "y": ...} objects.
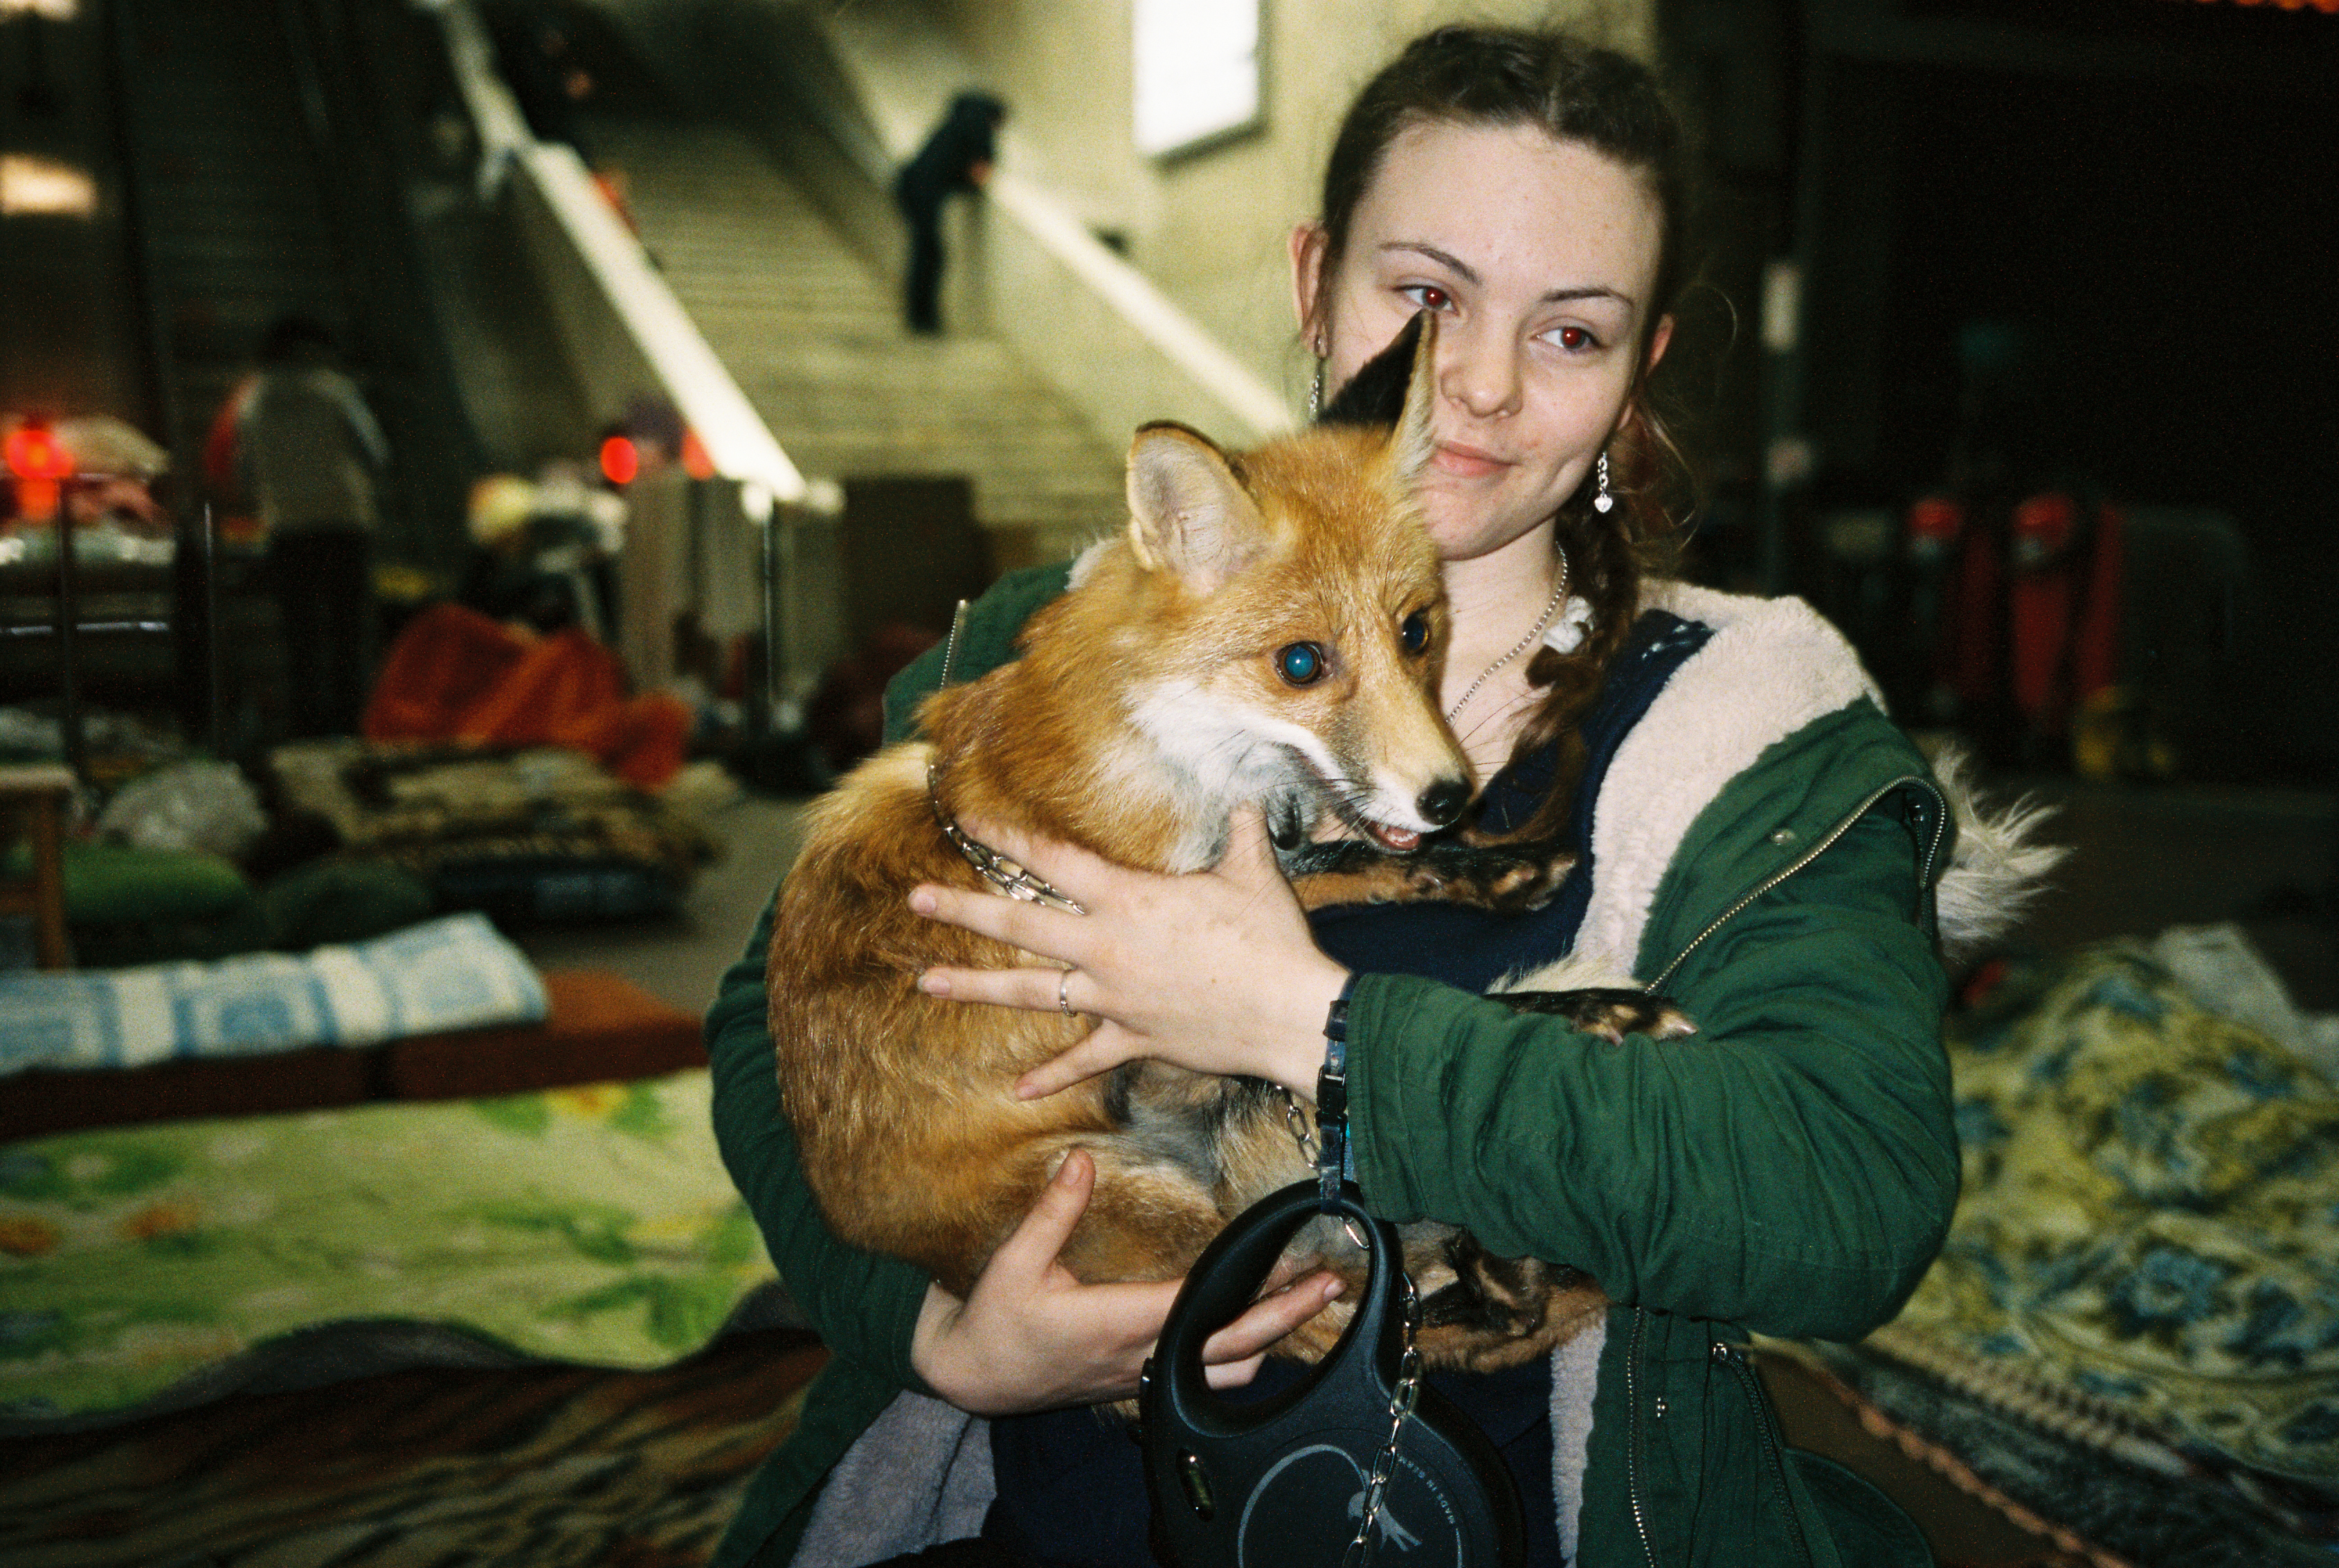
[{"x": 1148, "y": 702}]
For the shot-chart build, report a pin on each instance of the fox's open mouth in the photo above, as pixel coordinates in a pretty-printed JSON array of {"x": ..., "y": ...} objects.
[
  {"x": 1297, "y": 810},
  {"x": 1388, "y": 834}
]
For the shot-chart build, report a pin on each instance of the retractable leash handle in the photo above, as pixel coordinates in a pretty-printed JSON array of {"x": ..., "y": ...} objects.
[{"x": 1284, "y": 1480}]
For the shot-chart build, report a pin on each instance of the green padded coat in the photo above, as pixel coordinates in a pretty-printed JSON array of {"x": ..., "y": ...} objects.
[{"x": 1769, "y": 847}]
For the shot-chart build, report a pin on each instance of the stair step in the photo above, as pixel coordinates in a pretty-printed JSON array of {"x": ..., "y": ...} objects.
[{"x": 812, "y": 336}]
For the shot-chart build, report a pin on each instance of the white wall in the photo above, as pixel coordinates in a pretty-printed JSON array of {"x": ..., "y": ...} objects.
[{"x": 1209, "y": 228}]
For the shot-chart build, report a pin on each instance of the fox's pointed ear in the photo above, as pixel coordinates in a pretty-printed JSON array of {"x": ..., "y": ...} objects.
[
  {"x": 1412, "y": 440},
  {"x": 1374, "y": 396},
  {"x": 1187, "y": 513}
]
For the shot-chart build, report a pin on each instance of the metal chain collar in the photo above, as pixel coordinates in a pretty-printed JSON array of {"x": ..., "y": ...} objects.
[
  {"x": 1010, "y": 877},
  {"x": 1295, "y": 1122}
]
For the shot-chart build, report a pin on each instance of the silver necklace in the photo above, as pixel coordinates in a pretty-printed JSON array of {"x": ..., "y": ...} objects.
[{"x": 1558, "y": 592}]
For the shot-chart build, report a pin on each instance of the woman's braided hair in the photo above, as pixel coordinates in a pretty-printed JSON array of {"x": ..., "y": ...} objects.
[{"x": 1581, "y": 93}]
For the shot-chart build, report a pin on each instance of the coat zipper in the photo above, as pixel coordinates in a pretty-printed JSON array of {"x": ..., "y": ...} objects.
[
  {"x": 1633, "y": 1439},
  {"x": 1640, "y": 1316},
  {"x": 1766, "y": 1423},
  {"x": 1932, "y": 853}
]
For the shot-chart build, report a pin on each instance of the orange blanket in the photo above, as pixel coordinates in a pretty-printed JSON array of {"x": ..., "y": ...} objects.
[{"x": 453, "y": 673}]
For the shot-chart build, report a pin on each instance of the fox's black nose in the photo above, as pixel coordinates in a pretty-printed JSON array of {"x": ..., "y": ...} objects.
[{"x": 1443, "y": 801}]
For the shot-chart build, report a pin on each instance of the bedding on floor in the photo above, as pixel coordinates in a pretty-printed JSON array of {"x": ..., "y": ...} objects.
[
  {"x": 524, "y": 833},
  {"x": 546, "y": 1467},
  {"x": 2143, "y": 1266},
  {"x": 151, "y": 1267},
  {"x": 457, "y": 972}
]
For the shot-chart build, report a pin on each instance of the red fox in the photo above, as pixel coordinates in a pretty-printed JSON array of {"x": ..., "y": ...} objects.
[{"x": 1269, "y": 629}]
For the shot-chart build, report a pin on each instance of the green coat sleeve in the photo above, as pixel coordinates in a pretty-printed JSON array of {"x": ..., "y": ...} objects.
[
  {"x": 863, "y": 1304},
  {"x": 1790, "y": 1169}
]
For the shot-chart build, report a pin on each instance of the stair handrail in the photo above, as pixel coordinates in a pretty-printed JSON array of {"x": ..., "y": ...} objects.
[
  {"x": 738, "y": 444},
  {"x": 832, "y": 98},
  {"x": 1140, "y": 302}
]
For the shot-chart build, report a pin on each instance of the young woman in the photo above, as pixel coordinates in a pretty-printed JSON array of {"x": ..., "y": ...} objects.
[{"x": 1758, "y": 843}]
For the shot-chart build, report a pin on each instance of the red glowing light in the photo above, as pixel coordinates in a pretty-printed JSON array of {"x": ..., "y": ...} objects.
[
  {"x": 695, "y": 461},
  {"x": 37, "y": 500},
  {"x": 33, "y": 452},
  {"x": 619, "y": 462},
  {"x": 1935, "y": 517}
]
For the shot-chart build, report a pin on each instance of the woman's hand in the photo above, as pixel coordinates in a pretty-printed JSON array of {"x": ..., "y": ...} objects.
[
  {"x": 1214, "y": 971},
  {"x": 1029, "y": 1337}
]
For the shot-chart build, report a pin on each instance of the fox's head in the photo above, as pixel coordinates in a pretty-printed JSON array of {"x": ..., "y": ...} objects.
[{"x": 1272, "y": 629}]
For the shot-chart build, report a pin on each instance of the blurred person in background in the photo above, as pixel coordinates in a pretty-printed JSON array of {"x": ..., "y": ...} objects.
[
  {"x": 301, "y": 449},
  {"x": 957, "y": 158}
]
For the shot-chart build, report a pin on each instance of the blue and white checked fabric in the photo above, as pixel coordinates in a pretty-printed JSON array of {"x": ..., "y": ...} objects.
[{"x": 456, "y": 972}]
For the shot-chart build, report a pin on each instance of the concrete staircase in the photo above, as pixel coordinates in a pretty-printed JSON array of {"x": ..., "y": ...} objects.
[
  {"x": 814, "y": 339},
  {"x": 237, "y": 225}
]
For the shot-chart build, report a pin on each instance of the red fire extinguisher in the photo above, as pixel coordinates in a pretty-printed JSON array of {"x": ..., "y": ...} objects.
[{"x": 2029, "y": 605}]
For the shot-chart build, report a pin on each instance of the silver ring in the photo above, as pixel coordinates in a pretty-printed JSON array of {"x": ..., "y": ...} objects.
[{"x": 1064, "y": 1001}]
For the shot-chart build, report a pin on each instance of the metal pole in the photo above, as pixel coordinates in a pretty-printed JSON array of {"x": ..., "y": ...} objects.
[
  {"x": 760, "y": 722},
  {"x": 194, "y": 625},
  {"x": 68, "y": 638}
]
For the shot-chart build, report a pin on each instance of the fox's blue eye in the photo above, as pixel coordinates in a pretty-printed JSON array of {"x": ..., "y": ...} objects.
[
  {"x": 1299, "y": 664},
  {"x": 1414, "y": 632}
]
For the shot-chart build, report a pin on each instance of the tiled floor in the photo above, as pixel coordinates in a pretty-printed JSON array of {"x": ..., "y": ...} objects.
[{"x": 680, "y": 958}]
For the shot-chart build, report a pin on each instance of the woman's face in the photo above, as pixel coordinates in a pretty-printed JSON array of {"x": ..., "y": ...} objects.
[{"x": 1540, "y": 256}]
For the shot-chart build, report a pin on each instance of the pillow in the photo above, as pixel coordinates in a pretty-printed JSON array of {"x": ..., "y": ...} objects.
[{"x": 108, "y": 883}]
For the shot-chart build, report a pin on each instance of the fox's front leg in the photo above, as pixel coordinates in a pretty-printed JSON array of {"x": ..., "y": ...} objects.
[
  {"x": 1611, "y": 1012},
  {"x": 1507, "y": 878}
]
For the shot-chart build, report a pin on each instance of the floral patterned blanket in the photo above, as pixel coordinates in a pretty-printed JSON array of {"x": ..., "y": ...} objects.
[
  {"x": 2147, "y": 1250},
  {"x": 592, "y": 1225}
]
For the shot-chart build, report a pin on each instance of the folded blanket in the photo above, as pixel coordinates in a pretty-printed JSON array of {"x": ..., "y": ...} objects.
[
  {"x": 543, "y": 832},
  {"x": 591, "y": 1225},
  {"x": 457, "y": 972}
]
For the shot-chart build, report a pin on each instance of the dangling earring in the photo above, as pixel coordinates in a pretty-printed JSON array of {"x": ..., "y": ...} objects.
[
  {"x": 1316, "y": 393},
  {"x": 1603, "y": 500}
]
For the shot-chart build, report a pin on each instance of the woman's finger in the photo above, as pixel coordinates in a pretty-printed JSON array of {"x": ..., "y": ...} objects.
[
  {"x": 1270, "y": 1319},
  {"x": 1031, "y": 1248},
  {"x": 1234, "y": 1374},
  {"x": 1033, "y": 927},
  {"x": 1106, "y": 1047},
  {"x": 1249, "y": 860},
  {"x": 1034, "y": 990}
]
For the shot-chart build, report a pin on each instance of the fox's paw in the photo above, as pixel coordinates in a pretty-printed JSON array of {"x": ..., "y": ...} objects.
[
  {"x": 1502, "y": 877},
  {"x": 1610, "y": 1013},
  {"x": 1499, "y": 1312}
]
